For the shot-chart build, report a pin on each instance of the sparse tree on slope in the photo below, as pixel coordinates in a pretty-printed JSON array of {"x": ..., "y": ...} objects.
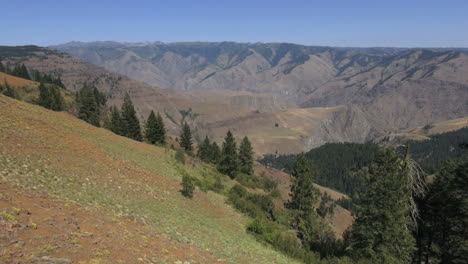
[
  {"x": 204, "y": 150},
  {"x": 130, "y": 122},
  {"x": 151, "y": 128},
  {"x": 186, "y": 138},
  {"x": 88, "y": 107},
  {"x": 160, "y": 130},
  {"x": 246, "y": 157},
  {"x": 44, "y": 96},
  {"x": 229, "y": 161},
  {"x": 215, "y": 153},
  {"x": 116, "y": 121}
]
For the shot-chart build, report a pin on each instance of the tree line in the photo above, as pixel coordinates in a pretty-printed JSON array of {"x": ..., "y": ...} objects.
[{"x": 21, "y": 71}]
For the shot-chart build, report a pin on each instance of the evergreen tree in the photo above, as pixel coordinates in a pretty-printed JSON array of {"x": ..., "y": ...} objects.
[
  {"x": 7, "y": 90},
  {"x": 151, "y": 128},
  {"x": 160, "y": 130},
  {"x": 228, "y": 163},
  {"x": 204, "y": 150},
  {"x": 246, "y": 157},
  {"x": 131, "y": 125},
  {"x": 187, "y": 186},
  {"x": 24, "y": 73},
  {"x": 57, "y": 103},
  {"x": 88, "y": 106},
  {"x": 44, "y": 96},
  {"x": 382, "y": 231},
  {"x": 442, "y": 233},
  {"x": 304, "y": 195},
  {"x": 215, "y": 153},
  {"x": 116, "y": 125},
  {"x": 186, "y": 138},
  {"x": 2, "y": 67}
]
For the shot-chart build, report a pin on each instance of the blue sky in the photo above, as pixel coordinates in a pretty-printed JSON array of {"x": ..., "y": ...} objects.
[{"x": 391, "y": 23}]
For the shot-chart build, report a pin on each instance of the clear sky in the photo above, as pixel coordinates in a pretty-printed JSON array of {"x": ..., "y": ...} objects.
[{"x": 357, "y": 23}]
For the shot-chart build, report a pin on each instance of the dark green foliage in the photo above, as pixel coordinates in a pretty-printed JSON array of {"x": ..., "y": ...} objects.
[
  {"x": 20, "y": 71},
  {"x": 431, "y": 154},
  {"x": 116, "y": 123},
  {"x": 186, "y": 138},
  {"x": 228, "y": 163},
  {"x": 47, "y": 78},
  {"x": 130, "y": 123},
  {"x": 382, "y": 229},
  {"x": 88, "y": 106},
  {"x": 253, "y": 205},
  {"x": 326, "y": 206},
  {"x": 246, "y": 157},
  {"x": 150, "y": 129},
  {"x": 50, "y": 97},
  {"x": 337, "y": 164},
  {"x": 442, "y": 234},
  {"x": 188, "y": 186},
  {"x": 160, "y": 130},
  {"x": 180, "y": 156},
  {"x": 215, "y": 153},
  {"x": 303, "y": 193},
  {"x": 2, "y": 67},
  {"x": 345, "y": 203},
  {"x": 204, "y": 150},
  {"x": 7, "y": 90}
]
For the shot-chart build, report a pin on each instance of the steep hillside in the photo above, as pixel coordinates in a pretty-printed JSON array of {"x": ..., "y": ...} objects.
[{"x": 85, "y": 178}]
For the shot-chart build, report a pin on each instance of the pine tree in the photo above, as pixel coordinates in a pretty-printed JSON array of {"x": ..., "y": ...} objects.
[
  {"x": 160, "y": 130},
  {"x": 151, "y": 128},
  {"x": 116, "y": 125},
  {"x": 382, "y": 231},
  {"x": 228, "y": 163},
  {"x": 88, "y": 107},
  {"x": 186, "y": 138},
  {"x": 57, "y": 102},
  {"x": 2, "y": 67},
  {"x": 24, "y": 73},
  {"x": 304, "y": 195},
  {"x": 215, "y": 153},
  {"x": 44, "y": 96},
  {"x": 7, "y": 90},
  {"x": 246, "y": 157},
  {"x": 131, "y": 125},
  {"x": 204, "y": 150}
]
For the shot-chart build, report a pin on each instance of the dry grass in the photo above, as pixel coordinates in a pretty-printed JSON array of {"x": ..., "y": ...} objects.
[{"x": 71, "y": 160}]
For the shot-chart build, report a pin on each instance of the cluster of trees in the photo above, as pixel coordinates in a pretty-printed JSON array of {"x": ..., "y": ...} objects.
[
  {"x": 50, "y": 97},
  {"x": 155, "y": 131},
  {"x": 337, "y": 164},
  {"x": 442, "y": 231},
  {"x": 47, "y": 78},
  {"x": 9, "y": 91},
  {"x": 19, "y": 71},
  {"x": 90, "y": 103}
]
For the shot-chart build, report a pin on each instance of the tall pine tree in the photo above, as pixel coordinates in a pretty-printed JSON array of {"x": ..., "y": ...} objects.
[
  {"x": 246, "y": 157},
  {"x": 160, "y": 130},
  {"x": 88, "y": 105},
  {"x": 130, "y": 123},
  {"x": 186, "y": 138},
  {"x": 204, "y": 150},
  {"x": 382, "y": 231},
  {"x": 215, "y": 153},
  {"x": 229, "y": 162},
  {"x": 151, "y": 128},
  {"x": 116, "y": 125}
]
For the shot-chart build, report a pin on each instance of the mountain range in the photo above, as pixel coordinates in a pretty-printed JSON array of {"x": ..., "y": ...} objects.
[{"x": 286, "y": 97}]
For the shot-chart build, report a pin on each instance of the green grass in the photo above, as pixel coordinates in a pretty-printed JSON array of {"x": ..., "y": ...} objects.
[{"x": 106, "y": 172}]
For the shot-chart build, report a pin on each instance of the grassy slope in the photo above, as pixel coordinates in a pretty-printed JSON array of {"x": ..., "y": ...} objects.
[{"x": 54, "y": 152}]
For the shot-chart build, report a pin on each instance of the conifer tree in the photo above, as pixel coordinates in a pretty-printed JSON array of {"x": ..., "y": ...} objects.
[
  {"x": 44, "y": 96},
  {"x": 228, "y": 163},
  {"x": 383, "y": 228},
  {"x": 130, "y": 123},
  {"x": 215, "y": 153},
  {"x": 204, "y": 150},
  {"x": 7, "y": 90},
  {"x": 304, "y": 195},
  {"x": 187, "y": 186},
  {"x": 160, "y": 130},
  {"x": 24, "y": 73},
  {"x": 151, "y": 128},
  {"x": 186, "y": 138},
  {"x": 116, "y": 121},
  {"x": 246, "y": 157},
  {"x": 2, "y": 67},
  {"x": 57, "y": 103},
  {"x": 88, "y": 107}
]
